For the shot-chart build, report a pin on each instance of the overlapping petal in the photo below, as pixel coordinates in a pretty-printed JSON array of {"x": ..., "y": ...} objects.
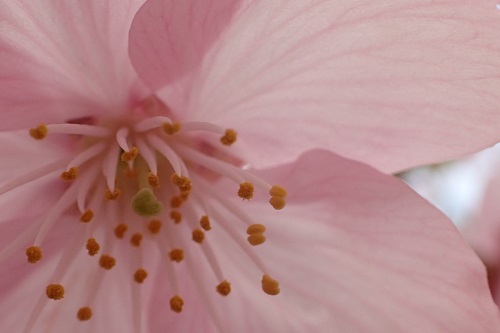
[
  {"x": 62, "y": 60},
  {"x": 391, "y": 83},
  {"x": 354, "y": 251}
]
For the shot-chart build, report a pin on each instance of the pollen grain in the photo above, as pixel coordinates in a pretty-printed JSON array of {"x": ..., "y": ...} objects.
[
  {"x": 55, "y": 291},
  {"x": 176, "y": 303},
  {"x": 176, "y": 255},
  {"x": 87, "y": 216},
  {"x": 40, "y": 132},
  {"x": 70, "y": 175},
  {"x": 205, "y": 223},
  {"x": 224, "y": 288},
  {"x": 120, "y": 230},
  {"x": 270, "y": 286},
  {"x": 92, "y": 247},
  {"x": 140, "y": 275},
  {"x": 34, "y": 254},
  {"x": 84, "y": 313},
  {"x": 229, "y": 137},
  {"x": 246, "y": 191},
  {"x": 107, "y": 261},
  {"x": 198, "y": 236}
]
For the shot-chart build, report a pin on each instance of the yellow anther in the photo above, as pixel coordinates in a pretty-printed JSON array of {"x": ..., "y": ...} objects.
[
  {"x": 87, "y": 216},
  {"x": 246, "y": 190},
  {"x": 153, "y": 180},
  {"x": 39, "y": 132},
  {"x": 154, "y": 226},
  {"x": 224, "y": 288},
  {"x": 270, "y": 286},
  {"x": 92, "y": 246},
  {"x": 55, "y": 291},
  {"x": 112, "y": 195},
  {"x": 277, "y": 203},
  {"x": 84, "y": 313},
  {"x": 198, "y": 236},
  {"x": 256, "y": 229},
  {"x": 140, "y": 275},
  {"x": 176, "y": 255},
  {"x": 176, "y": 202},
  {"x": 34, "y": 254},
  {"x": 107, "y": 261},
  {"x": 176, "y": 304},
  {"x": 136, "y": 239},
  {"x": 229, "y": 137},
  {"x": 176, "y": 216},
  {"x": 130, "y": 155},
  {"x": 120, "y": 230},
  {"x": 183, "y": 183},
  {"x": 172, "y": 128},
  {"x": 145, "y": 203},
  {"x": 70, "y": 175},
  {"x": 278, "y": 191},
  {"x": 256, "y": 239},
  {"x": 205, "y": 223}
]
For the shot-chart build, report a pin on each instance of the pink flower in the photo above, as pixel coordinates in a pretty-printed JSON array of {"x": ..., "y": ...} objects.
[{"x": 146, "y": 230}]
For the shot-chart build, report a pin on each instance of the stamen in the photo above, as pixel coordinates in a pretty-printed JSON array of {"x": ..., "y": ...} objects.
[
  {"x": 176, "y": 216},
  {"x": 70, "y": 175},
  {"x": 229, "y": 137},
  {"x": 151, "y": 123},
  {"x": 172, "y": 128},
  {"x": 130, "y": 155},
  {"x": 109, "y": 167},
  {"x": 136, "y": 239},
  {"x": 84, "y": 313},
  {"x": 55, "y": 291},
  {"x": 148, "y": 155},
  {"x": 176, "y": 202},
  {"x": 278, "y": 195},
  {"x": 183, "y": 183},
  {"x": 107, "y": 261},
  {"x": 167, "y": 152},
  {"x": 145, "y": 203},
  {"x": 224, "y": 288},
  {"x": 256, "y": 234},
  {"x": 270, "y": 286},
  {"x": 140, "y": 275},
  {"x": 277, "y": 203},
  {"x": 121, "y": 139},
  {"x": 154, "y": 226},
  {"x": 256, "y": 229},
  {"x": 112, "y": 195},
  {"x": 120, "y": 230},
  {"x": 246, "y": 191},
  {"x": 277, "y": 191},
  {"x": 153, "y": 180},
  {"x": 198, "y": 236},
  {"x": 87, "y": 216},
  {"x": 34, "y": 254},
  {"x": 92, "y": 246},
  {"x": 39, "y": 133},
  {"x": 176, "y": 255},
  {"x": 256, "y": 239},
  {"x": 205, "y": 223},
  {"x": 176, "y": 303}
]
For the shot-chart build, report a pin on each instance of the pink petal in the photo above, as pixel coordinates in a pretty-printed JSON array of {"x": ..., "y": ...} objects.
[
  {"x": 391, "y": 83},
  {"x": 63, "y": 60},
  {"x": 169, "y": 39},
  {"x": 354, "y": 251}
]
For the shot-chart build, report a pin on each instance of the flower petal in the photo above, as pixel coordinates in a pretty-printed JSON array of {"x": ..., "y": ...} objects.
[
  {"x": 354, "y": 251},
  {"x": 169, "y": 38},
  {"x": 63, "y": 60},
  {"x": 391, "y": 83}
]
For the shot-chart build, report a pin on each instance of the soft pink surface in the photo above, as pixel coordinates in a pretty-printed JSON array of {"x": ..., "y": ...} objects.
[
  {"x": 392, "y": 83},
  {"x": 354, "y": 251},
  {"x": 62, "y": 61}
]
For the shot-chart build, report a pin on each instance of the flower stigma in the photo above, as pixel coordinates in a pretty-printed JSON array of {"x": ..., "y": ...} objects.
[{"x": 151, "y": 180}]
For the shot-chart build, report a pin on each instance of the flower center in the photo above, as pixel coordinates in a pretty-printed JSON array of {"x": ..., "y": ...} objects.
[{"x": 148, "y": 178}]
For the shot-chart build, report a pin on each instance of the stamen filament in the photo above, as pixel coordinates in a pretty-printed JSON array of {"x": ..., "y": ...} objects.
[
  {"x": 151, "y": 123},
  {"x": 86, "y": 155},
  {"x": 148, "y": 155},
  {"x": 32, "y": 175},
  {"x": 202, "y": 126},
  {"x": 121, "y": 138},
  {"x": 109, "y": 167},
  {"x": 169, "y": 154}
]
